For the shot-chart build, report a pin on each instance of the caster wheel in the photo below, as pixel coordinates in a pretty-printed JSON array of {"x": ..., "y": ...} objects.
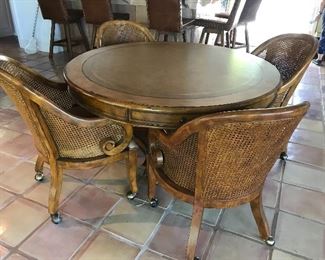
[
  {"x": 39, "y": 176},
  {"x": 56, "y": 218},
  {"x": 196, "y": 258},
  {"x": 270, "y": 241},
  {"x": 154, "y": 202},
  {"x": 131, "y": 195},
  {"x": 284, "y": 156}
]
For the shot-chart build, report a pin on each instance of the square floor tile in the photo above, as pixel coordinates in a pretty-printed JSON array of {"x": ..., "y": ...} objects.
[
  {"x": 7, "y": 115},
  {"x": 16, "y": 256},
  {"x": 276, "y": 171},
  {"x": 19, "y": 178},
  {"x": 148, "y": 255},
  {"x": 308, "y": 138},
  {"x": 279, "y": 255},
  {"x": 7, "y": 161},
  {"x": 270, "y": 193},
  {"x": 19, "y": 219},
  {"x": 210, "y": 216},
  {"x": 90, "y": 204},
  {"x": 104, "y": 247},
  {"x": 59, "y": 240},
  {"x": 7, "y": 135},
  {"x": 41, "y": 191},
  {"x": 3, "y": 252},
  {"x": 311, "y": 125},
  {"x": 172, "y": 237},
  {"x": 231, "y": 247},
  {"x": 300, "y": 236},
  {"x": 21, "y": 146},
  {"x": 5, "y": 198},
  {"x": 133, "y": 221},
  {"x": 18, "y": 125},
  {"x": 305, "y": 203},
  {"x": 83, "y": 175},
  {"x": 240, "y": 220},
  {"x": 304, "y": 176}
]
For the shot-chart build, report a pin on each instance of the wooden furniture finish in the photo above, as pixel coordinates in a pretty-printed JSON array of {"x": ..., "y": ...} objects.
[
  {"x": 99, "y": 11},
  {"x": 221, "y": 161},
  {"x": 59, "y": 14},
  {"x": 65, "y": 135},
  {"x": 163, "y": 85},
  {"x": 166, "y": 18},
  {"x": 117, "y": 32}
]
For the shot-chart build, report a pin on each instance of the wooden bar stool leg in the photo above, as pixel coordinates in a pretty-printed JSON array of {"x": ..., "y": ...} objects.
[
  {"x": 165, "y": 37},
  {"x": 228, "y": 39},
  {"x": 93, "y": 36},
  {"x": 202, "y": 35},
  {"x": 184, "y": 36},
  {"x": 246, "y": 38},
  {"x": 83, "y": 35},
  {"x": 234, "y": 38},
  {"x": 52, "y": 39},
  {"x": 175, "y": 37},
  {"x": 207, "y": 38},
  {"x": 68, "y": 39}
]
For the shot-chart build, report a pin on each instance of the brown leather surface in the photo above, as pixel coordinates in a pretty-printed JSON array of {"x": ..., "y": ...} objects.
[
  {"x": 97, "y": 11},
  {"x": 53, "y": 10},
  {"x": 164, "y": 15}
]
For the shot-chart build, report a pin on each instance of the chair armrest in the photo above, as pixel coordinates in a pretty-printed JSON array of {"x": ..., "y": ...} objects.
[{"x": 222, "y": 15}]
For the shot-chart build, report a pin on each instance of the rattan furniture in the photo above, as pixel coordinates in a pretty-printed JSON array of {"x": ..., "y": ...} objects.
[
  {"x": 165, "y": 84},
  {"x": 66, "y": 136},
  {"x": 220, "y": 25},
  {"x": 221, "y": 161},
  {"x": 247, "y": 16},
  {"x": 99, "y": 11},
  {"x": 59, "y": 14},
  {"x": 117, "y": 32},
  {"x": 291, "y": 54},
  {"x": 165, "y": 17}
]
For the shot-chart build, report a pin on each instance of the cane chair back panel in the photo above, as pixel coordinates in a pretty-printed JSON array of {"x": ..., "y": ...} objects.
[
  {"x": 54, "y": 10},
  {"x": 117, "y": 32},
  {"x": 291, "y": 55},
  {"x": 72, "y": 140},
  {"x": 224, "y": 158},
  {"x": 97, "y": 11},
  {"x": 165, "y": 15}
]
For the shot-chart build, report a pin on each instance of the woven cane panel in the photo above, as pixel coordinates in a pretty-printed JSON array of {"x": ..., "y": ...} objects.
[
  {"x": 180, "y": 163},
  {"x": 288, "y": 55},
  {"x": 15, "y": 95},
  {"x": 80, "y": 142},
  {"x": 60, "y": 97},
  {"x": 239, "y": 156}
]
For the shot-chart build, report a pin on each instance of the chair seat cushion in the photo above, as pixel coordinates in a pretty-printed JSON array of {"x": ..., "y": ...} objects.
[{"x": 74, "y": 15}]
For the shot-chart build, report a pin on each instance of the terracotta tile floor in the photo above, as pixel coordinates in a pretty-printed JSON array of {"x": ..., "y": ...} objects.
[{"x": 99, "y": 223}]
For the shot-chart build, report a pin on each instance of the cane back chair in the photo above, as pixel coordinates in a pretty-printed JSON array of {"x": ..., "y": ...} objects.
[
  {"x": 248, "y": 15},
  {"x": 65, "y": 135},
  {"x": 221, "y": 160},
  {"x": 220, "y": 25},
  {"x": 165, "y": 17},
  {"x": 117, "y": 32},
  {"x": 99, "y": 11},
  {"x": 57, "y": 12},
  {"x": 291, "y": 54}
]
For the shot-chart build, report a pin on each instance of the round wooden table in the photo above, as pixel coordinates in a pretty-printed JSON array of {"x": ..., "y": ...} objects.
[{"x": 164, "y": 85}]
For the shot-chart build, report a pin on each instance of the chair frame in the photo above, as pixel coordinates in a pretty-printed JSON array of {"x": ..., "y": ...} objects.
[
  {"x": 45, "y": 144},
  {"x": 200, "y": 126}
]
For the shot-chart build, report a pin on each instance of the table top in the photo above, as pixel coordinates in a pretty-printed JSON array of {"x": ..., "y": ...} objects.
[{"x": 168, "y": 78}]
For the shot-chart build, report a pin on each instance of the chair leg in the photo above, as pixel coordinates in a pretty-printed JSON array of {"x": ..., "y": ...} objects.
[
  {"x": 228, "y": 39},
  {"x": 55, "y": 192},
  {"x": 217, "y": 39},
  {"x": 246, "y": 38},
  {"x": 93, "y": 36},
  {"x": 132, "y": 172},
  {"x": 207, "y": 38},
  {"x": 68, "y": 38},
  {"x": 234, "y": 35},
  {"x": 165, "y": 37},
  {"x": 39, "y": 176},
  {"x": 175, "y": 37},
  {"x": 222, "y": 37},
  {"x": 184, "y": 36},
  {"x": 83, "y": 35},
  {"x": 194, "y": 230},
  {"x": 202, "y": 35},
  {"x": 151, "y": 184},
  {"x": 52, "y": 39},
  {"x": 260, "y": 219}
]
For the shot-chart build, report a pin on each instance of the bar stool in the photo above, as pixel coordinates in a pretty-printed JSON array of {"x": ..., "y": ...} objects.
[
  {"x": 99, "y": 11},
  {"x": 59, "y": 14}
]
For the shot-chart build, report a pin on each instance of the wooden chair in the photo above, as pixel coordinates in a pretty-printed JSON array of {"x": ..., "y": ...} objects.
[
  {"x": 221, "y": 161},
  {"x": 291, "y": 54},
  {"x": 59, "y": 14},
  {"x": 248, "y": 15},
  {"x": 220, "y": 25},
  {"x": 65, "y": 135},
  {"x": 99, "y": 11},
  {"x": 117, "y": 32},
  {"x": 165, "y": 17}
]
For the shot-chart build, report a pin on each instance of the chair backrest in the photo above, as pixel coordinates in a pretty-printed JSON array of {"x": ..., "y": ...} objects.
[
  {"x": 165, "y": 16},
  {"x": 117, "y": 32},
  {"x": 235, "y": 14},
  {"x": 291, "y": 54},
  {"x": 53, "y": 10},
  {"x": 224, "y": 158},
  {"x": 249, "y": 11},
  {"x": 97, "y": 11}
]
